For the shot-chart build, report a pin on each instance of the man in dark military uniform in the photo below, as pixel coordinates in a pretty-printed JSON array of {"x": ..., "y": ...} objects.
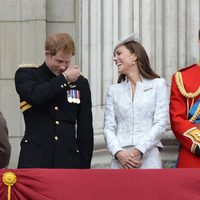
[{"x": 56, "y": 103}]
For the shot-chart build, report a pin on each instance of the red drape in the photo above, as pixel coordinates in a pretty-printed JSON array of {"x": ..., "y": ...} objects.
[{"x": 103, "y": 184}]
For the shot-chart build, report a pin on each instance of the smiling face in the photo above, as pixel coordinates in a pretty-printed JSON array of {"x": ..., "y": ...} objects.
[
  {"x": 59, "y": 62},
  {"x": 124, "y": 59}
]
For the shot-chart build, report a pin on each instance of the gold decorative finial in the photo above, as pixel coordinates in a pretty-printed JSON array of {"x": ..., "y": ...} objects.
[{"x": 9, "y": 179}]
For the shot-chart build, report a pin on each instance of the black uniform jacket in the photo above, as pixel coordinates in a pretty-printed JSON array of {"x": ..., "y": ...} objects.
[{"x": 58, "y": 132}]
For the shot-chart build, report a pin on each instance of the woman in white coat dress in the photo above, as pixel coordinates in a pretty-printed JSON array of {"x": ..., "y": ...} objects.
[{"x": 136, "y": 109}]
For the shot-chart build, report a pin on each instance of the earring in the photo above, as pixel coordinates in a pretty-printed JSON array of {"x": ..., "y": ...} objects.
[{"x": 133, "y": 62}]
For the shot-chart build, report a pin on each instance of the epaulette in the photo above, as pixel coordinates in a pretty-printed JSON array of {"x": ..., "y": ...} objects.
[
  {"x": 186, "y": 68},
  {"x": 180, "y": 85},
  {"x": 81, "y": 74},
  {"x": 27, "y": 65},
  {"x": 182, "y": 90}
]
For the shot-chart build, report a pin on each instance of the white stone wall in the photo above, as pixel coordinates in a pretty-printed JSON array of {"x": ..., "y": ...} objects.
[
  {"x": 167, "y": 29},
  {"x": 22, "y": 33}
]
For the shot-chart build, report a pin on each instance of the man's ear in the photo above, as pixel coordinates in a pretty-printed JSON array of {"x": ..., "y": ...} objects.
[{"x": 47, "y": 53}]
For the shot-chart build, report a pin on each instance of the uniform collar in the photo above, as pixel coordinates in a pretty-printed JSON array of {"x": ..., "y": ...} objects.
[{"x": 46, "y": 71}]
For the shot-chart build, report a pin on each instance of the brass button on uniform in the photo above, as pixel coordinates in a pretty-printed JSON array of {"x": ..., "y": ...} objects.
[
  {"x": 56, "y": 108},
  {"x": 77, "y": 151},
  {"x": 56, "y": 138},
  {"x": 57, "y": 122},
  {"x": 65, "y": 84},
  {"x": 62, "y": 86},
  {"x": 25, "y": 141}
]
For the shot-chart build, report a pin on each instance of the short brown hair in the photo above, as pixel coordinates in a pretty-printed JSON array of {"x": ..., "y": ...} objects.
[{"x": 58, "y": 42}]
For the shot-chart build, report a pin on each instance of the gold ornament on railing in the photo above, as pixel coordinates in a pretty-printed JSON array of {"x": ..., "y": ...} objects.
[{"x": 9, "y": 179}]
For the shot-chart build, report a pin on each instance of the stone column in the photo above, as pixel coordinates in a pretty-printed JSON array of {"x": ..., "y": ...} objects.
[
  {"x": 22, "y": 28},
  {"x": 169, "y": 38}
]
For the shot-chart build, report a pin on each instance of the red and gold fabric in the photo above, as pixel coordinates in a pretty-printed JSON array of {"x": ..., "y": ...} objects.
[
  {"x": 185, "y": 91},
  {"x": 98, "y": 184}
]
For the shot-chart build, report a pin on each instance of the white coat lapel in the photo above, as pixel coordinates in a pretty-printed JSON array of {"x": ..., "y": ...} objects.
[{"x": 147, "y": 84}]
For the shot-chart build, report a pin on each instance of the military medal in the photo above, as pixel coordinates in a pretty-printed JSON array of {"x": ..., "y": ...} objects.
[
  {"x": 69, "y": 96},
  {"x": 78, "y": 97},
  {"x": 73, "y": 96},
  {"x": 70, "y": 100},
  {"x": 75, "y": 100}
]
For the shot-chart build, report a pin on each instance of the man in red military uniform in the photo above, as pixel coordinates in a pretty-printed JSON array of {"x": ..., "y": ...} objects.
[{"x": 185, "y": 114}]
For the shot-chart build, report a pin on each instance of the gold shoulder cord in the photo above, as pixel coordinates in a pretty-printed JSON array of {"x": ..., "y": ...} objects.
[
  {"x": 179, "y": 82},
  {"x": 27, "y": 65},
  {"x": 188, "y": 95}
]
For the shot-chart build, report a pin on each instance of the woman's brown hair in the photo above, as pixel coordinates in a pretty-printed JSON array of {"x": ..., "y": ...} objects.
[{"x": 142, "y": 61}]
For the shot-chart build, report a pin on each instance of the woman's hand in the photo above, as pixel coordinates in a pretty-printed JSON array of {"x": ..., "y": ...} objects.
[
  {"x": 135, "y": 153},
  {"x": 127, "y": 160}
]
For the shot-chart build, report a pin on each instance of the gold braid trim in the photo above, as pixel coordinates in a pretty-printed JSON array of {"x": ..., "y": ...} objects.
[
  {"x": 180, "y": 85},
  {"x": 25, "y": 106},
  {"x": 194, "y": 135},
  {"x": 27, "y": 65},
  {"x": 193, "y": 148},
  {"x": 196, "y": 114}
]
